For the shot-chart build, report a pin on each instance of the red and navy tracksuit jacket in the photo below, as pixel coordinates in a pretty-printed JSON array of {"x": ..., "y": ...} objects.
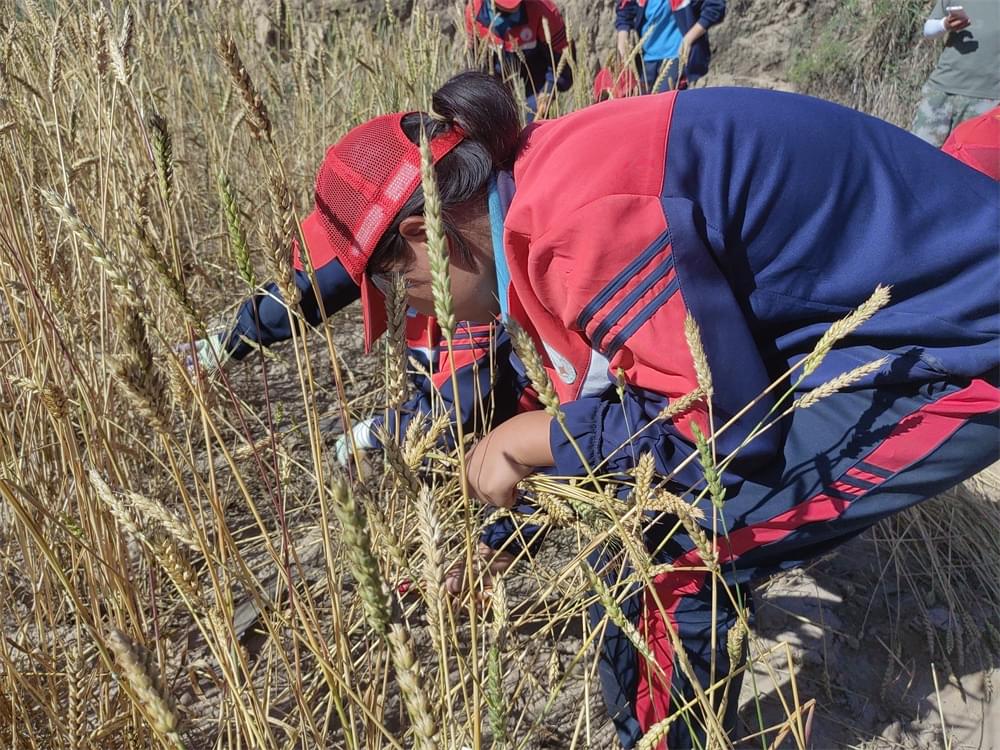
[
  {"x": 767, "y": 217},
  {"x": 521, "y": 42},
  {"x": 631, "y": 15}
]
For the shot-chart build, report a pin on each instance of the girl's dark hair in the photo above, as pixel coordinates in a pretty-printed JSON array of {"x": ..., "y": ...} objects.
[{"x": 483, "y": 107}]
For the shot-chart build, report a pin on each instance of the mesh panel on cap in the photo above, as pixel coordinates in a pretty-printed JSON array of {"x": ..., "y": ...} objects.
[{"x": 364, "y": 182}]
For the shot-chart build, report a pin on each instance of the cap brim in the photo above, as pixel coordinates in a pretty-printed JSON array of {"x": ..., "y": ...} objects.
[{"x": 373, "y": 310}]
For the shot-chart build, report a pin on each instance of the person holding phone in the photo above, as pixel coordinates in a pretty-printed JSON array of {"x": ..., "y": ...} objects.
[{"x": 966, "y": 81}]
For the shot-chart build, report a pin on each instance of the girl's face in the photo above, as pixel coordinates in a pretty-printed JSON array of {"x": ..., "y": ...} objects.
[{"x": 473, "y": 274}]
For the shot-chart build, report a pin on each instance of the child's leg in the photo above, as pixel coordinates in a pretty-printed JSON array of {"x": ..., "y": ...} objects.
[{"x": 848, "y": 462}]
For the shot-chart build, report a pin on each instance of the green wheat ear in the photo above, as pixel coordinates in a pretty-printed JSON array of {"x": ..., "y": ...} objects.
[{"x": 437, "y": 242}]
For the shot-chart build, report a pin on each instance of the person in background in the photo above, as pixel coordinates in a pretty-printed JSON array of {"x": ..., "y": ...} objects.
[
  {"x": 515, "y": 33},
  {"x": 976, "y": 142},
  {"x": 966, "y": 81},
  {"x": 677, "y": 30}
]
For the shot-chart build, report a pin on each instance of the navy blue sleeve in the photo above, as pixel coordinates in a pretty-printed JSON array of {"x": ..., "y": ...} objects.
[
  {"x": 711, "y": 13},
  {"x": 627, "y": 16},
  {"x": 264, "y": 320},
  {"x": 565, "y": 79},
  {"x": 807, "y": 206}
]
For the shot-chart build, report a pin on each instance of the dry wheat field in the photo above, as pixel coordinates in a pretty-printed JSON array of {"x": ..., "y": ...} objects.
[{"x": 183, "y": 561}]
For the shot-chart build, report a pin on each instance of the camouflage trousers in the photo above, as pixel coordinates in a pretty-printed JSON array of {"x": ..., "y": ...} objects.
[{"x": 939, "y": 113}]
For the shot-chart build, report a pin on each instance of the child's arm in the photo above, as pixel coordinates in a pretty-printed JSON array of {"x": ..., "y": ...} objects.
[
  {"x": 263, "y": 318},
  {"x": 626, "y": 21}
]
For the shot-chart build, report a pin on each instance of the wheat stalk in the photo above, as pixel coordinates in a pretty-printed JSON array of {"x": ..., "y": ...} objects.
[
  {"x": 411, "y": 687},
  {"x": 437, "y": 242},
  {"x": 253, "y": 103},
  {"x": 283, "y": 233},
  {"x": 143, "y": 677},
  {"x": 360, "y": 559},
  {"x": 839, "y": 383},
  {"x": 525, "y": 349},
  {"x": 396, "y": 352},
  {"x": 845, "y": 326},
  {"x": 163, "y": 148},
  {"x": 616, "y": 615},
  {"x": 692, "y": 334},
  {"x": 234, "y": 227},
  {"x": 688, "y": 516}
]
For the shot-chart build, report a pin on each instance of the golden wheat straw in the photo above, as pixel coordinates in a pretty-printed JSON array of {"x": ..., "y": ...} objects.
[
  {"x": 681, "y": 405},
  {"x": 143, "y": 677},
  {"x": 136, "y": 372},
  {"x": 55, "y": 58},
  {"x": 170, "y": 557},
  {"x": 53, "y": 397},
  {"x": 692, "y": 335},
  {"x": 76, "y": 709},
  {"x": 411, "y": 687},
  {"x": 183, "y": 534},
  {"x": 432, "y": 550},
  {"x": 99, "y": 41},
  {"x": 396, "y": 352},
  {"x": 616, "y": 615},
  {"x": 98, "y": 250},
  {"x": 174, "y": 286},
  {"x": 688, "y": 516},
  {"x": 121, "y": 53},
  {"x": 643, "y": 473},
  {"x": 655, "y": 734},
  {"x": 119, "y": 511},
  {"x": 253, "y": 103},
  {"x": 393, "y": 454},
  {"x": 283, "y": 232}
]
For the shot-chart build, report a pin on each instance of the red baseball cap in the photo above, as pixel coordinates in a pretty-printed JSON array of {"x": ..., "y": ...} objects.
[
  {"x": 605, "y": 83},
  {"x": 976, "y": 142},
  {"x": 507, "y": 6},
  {"x": 364, "y": 181}
]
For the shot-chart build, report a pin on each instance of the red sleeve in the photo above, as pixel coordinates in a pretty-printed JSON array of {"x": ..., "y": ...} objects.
[
  {"x": 557, "y": 27},
  {"x": 618, "y": 274},
  {"x": 470, "y": 35}
]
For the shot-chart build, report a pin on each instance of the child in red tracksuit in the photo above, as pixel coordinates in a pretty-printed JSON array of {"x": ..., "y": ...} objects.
[
  {"x": 527, "y": 39},
  {"x": 601, "y": 232}
]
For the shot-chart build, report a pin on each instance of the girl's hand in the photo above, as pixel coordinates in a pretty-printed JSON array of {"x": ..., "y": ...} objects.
[{"x": 507, "y": 455}]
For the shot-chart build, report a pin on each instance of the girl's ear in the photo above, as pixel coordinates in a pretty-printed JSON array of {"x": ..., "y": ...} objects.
[{"x": 412, "y": 229}]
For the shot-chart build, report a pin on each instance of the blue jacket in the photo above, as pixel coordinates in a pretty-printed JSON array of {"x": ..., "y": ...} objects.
[
  {"x": 263, "y": 318},
  {"x": 631, "y": 16}
]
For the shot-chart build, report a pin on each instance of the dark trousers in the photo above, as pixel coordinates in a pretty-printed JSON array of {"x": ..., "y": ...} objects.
[{"x": 848, "y": 462}]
